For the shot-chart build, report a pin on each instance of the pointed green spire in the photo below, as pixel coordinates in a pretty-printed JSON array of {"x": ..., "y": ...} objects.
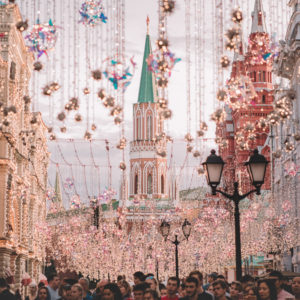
[
  {"x": 58, "y": 197},
  {"x": 148, "y": 91}
]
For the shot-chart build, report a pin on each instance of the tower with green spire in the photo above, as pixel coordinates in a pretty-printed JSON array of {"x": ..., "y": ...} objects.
[{"x": 148, "y": 169}]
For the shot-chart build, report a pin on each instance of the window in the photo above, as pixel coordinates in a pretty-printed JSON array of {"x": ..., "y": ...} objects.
[
  {"x": 264, "y": 76},
  {"x": 136, "y": 182},
  {"x": 149, "y": 184},
  {"x": 259, "y": 76},
  {"x": 149, "y": 127},
  {"x": 254, "y": 76},
  {"x": 263, "y": 99},
  {"x": 138, "y": 127},
  {"x": 162, "y": 184},
  {"x": 12, "y": 74}
]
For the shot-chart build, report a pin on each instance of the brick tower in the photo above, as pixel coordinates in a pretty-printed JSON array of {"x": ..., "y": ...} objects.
[
  {"x": 148, "y": 170},
  {"x": 244, "y": 123}
]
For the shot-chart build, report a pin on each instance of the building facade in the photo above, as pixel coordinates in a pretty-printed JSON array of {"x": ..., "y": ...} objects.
[
  {"x": 23, "y": 157},
  {"x": 241, "y": 129},
  {"x": 285, "y": 137}
]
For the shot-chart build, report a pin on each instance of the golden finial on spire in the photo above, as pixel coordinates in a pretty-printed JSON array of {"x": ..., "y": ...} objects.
[{"x": 147, "y": 21}]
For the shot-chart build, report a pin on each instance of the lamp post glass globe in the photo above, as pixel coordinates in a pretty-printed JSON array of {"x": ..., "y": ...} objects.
[
  {"x": 213, "y": 167},
  {"x": 164, "y": 229},
  {"x": 257, "y": 165},
  {"x": 186, "y": 229}
]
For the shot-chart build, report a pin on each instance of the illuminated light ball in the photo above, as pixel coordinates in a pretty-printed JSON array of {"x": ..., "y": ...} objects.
[
  {"x": 63, "y": 129},
  {"x": 230, "y": 46},
  {"x": 167, "y": 114},
  {"x": 122, "y": 166},
  {"x": 168, "y": 6},
  {"x": 237, "y": 16},
  {"x": 116, "y": 110},
  {"x": 196, "y": 153},
  {"x": 50, "y": 129},
  {"x": 200, "y": 171},
  {"x": 93, "y": 127},
  {"x": 243, "y": 145},
  {"x": 119, "y": 71},
  {"x": 222, "y": 95},
  {"x": 218, "y": 115},
  {"x": 118, "y": 120},
  {"x": 92, "y": 13},
  {"x": 163, "y": 103},
  {"x": 289, "y": 146},
  {"x": 37, "y": 66},
  {"x": 42, "y": 38},
  {"x": 189, "y": 148},
  {"x": 297, "y": 136},
  {"x": 33, "y": 120},
  {"x": 86, "y": 91},
  {"x": 73, "y": 104},
  {"x": 78, "y": 118},
  {"x": 87, "y": 135},
  {"x": 233, "y": 34},
  {"x": 27, "y": 99},
  {"x": 188, "y": 138},
  {"x": 47, "y": 91},
  {"x": 162, "y": 44},
  {"x": 203, "y": 126},
  {"x": 97, "y": 75},
  {"x": 61, "y": 116},
  {"x": 102, "y": 94},
  {"x": 200, "y": 133},
  {"x": 54, "y": 86},
  {"x": 22, "y": 25},
  {"x": 52, "y": 137},
  {"x": 109, "y": 102},
  {"x": 277, "y": 154},
  {"x": 162, "y": 82},
  {"x": 161, "y": 153},
  {"x": 225, "y": 62}
]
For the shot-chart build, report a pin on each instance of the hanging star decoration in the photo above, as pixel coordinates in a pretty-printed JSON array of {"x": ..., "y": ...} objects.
[
  {"x": 42, "y": 38},
  {"x": 92, "y": 13},
  {"x": 119, "y": 74}
]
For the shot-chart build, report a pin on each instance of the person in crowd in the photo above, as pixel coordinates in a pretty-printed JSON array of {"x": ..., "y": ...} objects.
[
  {"x": 33, "y": 289},
  {"x": 5, "y": 294},
  {"x": 65, "y": 292},
  {"x": 235, "y": 290},
  {"x": 139, "y": 291},
  {"x": 281, "y": 293},
  {"x": 77, "y": 292},
  {"x": 153, "y": 283},
  {"x": 249, "y": 291},
  {"x": 210, "y": 289},
  {"x": 247, "y": 280},
  {"x": 138, "y": 277},
  {"x": 172, "y": 289},
  {"x": 85, "y": 283},
  {"x": 182, "y": 290},
  {"x": 219, "y": 287},
  {"x": 53, "y": 285},
  {"x": 296, "y": 287},
  {"x": 211, "y": 278},
  {"x": 191, "y": 288},
  {"x": 125, "y": 290},
  {"x": 266, "y": 290},
  {"x": 111, "y": 291},
  {"x": 43, "y": 294},
  {"x": 120, "y": 279},
  {"x": 163, "y": 290},
  {"x": 202, "y": 294},
  {"x": 151, "y": 295},
  {"x": 99, "y": 289}
]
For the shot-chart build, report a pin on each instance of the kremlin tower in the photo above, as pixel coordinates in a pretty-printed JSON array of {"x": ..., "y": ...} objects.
[
  {"x": 244, "y": 128},
  {"x": 148, "y": 170}
]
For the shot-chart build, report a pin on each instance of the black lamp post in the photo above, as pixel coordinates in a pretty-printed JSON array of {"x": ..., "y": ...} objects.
[
  {"x": 256, "y": 165},
  {"x": 165, "y": 230}
]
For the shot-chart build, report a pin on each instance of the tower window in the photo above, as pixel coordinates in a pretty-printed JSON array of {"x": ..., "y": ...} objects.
[
  {"x": 138, "y": 127},
  {"x": 149, "y": 127},
  {"x": 136, "y": 182},
  {"x": 162, "y": 184},
  {"x": 254, "y": 76},
  {"x": 264, "y": 76},
  {"x": 149, "y": 184},
  {"x": 259, "y": 76},
  {"x": 12, "y": 74},
  {"x": 263, "y": 99}
]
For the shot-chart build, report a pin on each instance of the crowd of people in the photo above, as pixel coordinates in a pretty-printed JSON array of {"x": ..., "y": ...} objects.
[{"x": 146, "y": 287}]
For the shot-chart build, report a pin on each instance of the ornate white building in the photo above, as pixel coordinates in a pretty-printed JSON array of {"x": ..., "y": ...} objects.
[
  {"x": 284, "y": 136},
  {"x": 23, "y": 157}
]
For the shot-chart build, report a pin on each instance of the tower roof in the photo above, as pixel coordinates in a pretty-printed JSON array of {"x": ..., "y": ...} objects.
[
  {"x": 258, "y": 18},
  {"x": 147, "y": 91}
]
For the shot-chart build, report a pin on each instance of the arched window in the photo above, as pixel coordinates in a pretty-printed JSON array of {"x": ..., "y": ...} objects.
[
  {"x": 263, "y": 99},
  {"x": 264, "y": 76},
  {"x": 149, "y": 184},
  {"x": 162, "y": 184},
  {"x": 149, "y": 127},
  {"x": 136, "y": 183},
  {"x": 259, "y": 76},
  {"x": 254, "y": 76},
  {"x": 138, "y": 127}
]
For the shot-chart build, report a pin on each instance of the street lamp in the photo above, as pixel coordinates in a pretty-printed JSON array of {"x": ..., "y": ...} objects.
[
  {"x": 164, "y": 229},
  {"x": 256, "y": 166}
]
